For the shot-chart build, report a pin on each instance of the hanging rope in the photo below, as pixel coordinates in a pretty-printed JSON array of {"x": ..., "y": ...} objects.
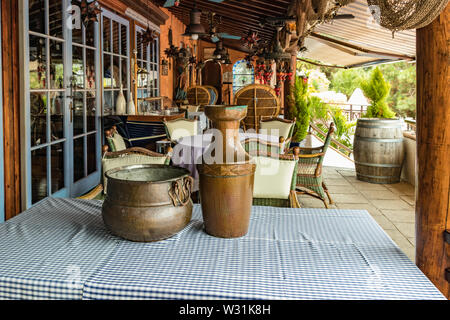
[{"x": 398, "y": 15}]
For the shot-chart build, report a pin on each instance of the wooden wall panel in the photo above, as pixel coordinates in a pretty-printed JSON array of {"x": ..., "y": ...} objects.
[{"x": 11, "y": 106}]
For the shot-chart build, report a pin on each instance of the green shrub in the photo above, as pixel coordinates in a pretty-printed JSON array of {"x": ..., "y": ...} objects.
[
  {"x": 377, "y": 90},
  {"x": 300, "y": 108}
]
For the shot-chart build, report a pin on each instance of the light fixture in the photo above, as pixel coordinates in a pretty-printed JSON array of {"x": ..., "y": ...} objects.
[
  {"x": 219, "y": 52},
  {"x": 194, "y": 28}
]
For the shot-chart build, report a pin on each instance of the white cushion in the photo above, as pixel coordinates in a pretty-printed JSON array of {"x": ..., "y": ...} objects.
[
  {"x": 180, "y": 129},
  {"x": 276, "y": 128},
  {"x": 127, "y": 160},
  {"x": 118, "y": 141},
  {"x": 273, "y": 178}
]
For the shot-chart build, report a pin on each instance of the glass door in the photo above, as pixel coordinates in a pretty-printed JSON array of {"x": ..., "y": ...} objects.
[
  {"x": 84, "y": 108},
  {"x": 60, "y": 119}
]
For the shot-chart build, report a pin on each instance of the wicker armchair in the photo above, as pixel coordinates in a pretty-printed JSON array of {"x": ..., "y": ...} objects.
[
  {"x": 275, "y": 179},
  {"x": 255, "y": 145},
  {"x": 309, "y": 171},
  {"x": 129, "y": 156},
  {"x": 180, "y": 128},
  {"x": 282, "y": 128}
]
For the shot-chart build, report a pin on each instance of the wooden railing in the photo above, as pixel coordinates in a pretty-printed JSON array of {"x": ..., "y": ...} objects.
[
  {"x": 335, "y": 144},
  {"x": 411, "y": 129}
]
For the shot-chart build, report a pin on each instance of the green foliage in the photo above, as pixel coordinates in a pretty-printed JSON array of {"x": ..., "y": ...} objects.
[
  {"x": 401, "y": 76},
  {"x": 300, "y": 108},
  {"x": 377, "y": 89},
  {"x": 318, "y": 109},
  {"x": 344, "y": 129},
  {"x": 347, "y": 80}
]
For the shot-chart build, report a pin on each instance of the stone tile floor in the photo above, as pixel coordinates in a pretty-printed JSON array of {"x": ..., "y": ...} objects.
[{"x": 391, "y": 205}]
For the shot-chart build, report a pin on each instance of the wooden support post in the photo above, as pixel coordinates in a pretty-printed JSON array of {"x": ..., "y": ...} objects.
[
  {"x": 289, "y": 83},
  {"x": 433, "y": 150}
]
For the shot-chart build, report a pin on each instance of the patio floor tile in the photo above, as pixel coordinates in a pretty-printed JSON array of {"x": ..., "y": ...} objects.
[
  {"x": 391, "y": 204},
  {"x": 379, "y": 195},
  {"x": 400, "y": 215},
  {"x": 407, "y": 229}
]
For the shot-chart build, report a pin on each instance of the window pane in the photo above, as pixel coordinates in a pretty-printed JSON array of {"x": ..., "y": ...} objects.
[
  {"x": 107, "y": 103},
  {"x": 116, "y": 72},
  {"x": 55, "y": 18},
  {"x": 38, "y": 62},
  {"x": 115, "y": 37},
  {"x": 38, "y": 118},
  {"x": 56, "y": 65},
  {"x": 36, "y": 14},
  {"x": 38, "y": 174},
  {"x": 78, "y": 112},
  {"x": 139, "y": 45},
  {"x": 123, "y": 41},
  {"x": 57, "y": 115},
  {"x": 78, "y": 66},
  {"x": 106, "y": 34},
  {"x": 57, "y": 165},
  {"x": 77, "y": 34},
  {"x": 91, "y": 153},
  {"x": 124, "y": 66},
  {"x": 91, "y": 107},
  {"x": 107, "y": 74},
  {"x": 90, "y": 34},
  {"x": 78, "y": 159},
  {"x": 90, "y": 69}
]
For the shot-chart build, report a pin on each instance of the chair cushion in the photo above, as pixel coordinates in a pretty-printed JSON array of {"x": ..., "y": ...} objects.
[
  {"x": 116, "y": 143},
  {"x": 271, "y": 127},
  {"x": 273, "y": 178},
  {"x": 181, "y": 128},
  {"x": 126, "y": 160}
]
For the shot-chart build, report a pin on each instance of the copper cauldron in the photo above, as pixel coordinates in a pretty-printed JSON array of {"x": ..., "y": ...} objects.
[{"x": 147, "y": 202}]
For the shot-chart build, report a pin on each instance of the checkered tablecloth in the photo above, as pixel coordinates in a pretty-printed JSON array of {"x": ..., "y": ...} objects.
[{"x": 60, "y": 249}]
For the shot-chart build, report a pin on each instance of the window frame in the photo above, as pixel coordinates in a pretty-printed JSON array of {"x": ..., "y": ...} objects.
[
  {"x": 121, "y": 21},
  {"x": 152, "y": 53}
]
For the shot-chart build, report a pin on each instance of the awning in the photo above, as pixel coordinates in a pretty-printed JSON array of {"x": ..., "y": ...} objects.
[{"x": 359, "y": 41}]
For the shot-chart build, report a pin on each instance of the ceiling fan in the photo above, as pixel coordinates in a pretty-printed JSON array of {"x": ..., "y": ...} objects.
[
  {"x": 176, "y": 3},
  {"x": 214, "y": 21},
  {"x": 281, "y": 21}
]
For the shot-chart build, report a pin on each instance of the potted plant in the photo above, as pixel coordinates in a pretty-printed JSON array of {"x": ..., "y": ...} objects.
[
  {"x": 299, "y": 108},
  {"x": 378, "y": 144}
]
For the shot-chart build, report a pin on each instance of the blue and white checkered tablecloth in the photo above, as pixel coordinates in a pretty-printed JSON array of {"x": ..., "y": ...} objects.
[{"x": 60, "y": 249}]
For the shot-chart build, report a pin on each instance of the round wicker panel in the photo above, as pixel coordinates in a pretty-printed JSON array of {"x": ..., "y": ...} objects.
[
  {"x": 262, "y": 102},
  {"x": 198, "y": 95}
]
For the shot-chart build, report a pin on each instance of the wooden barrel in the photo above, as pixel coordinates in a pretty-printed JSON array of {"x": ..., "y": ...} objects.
[{"x": 378, "y": 150}]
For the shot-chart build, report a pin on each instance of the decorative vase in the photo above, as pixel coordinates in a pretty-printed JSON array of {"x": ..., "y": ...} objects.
[
  {"x": 121, "y": 104},
  {"x": 226, "y": 175},
  {"x": 131, "y": 106}
]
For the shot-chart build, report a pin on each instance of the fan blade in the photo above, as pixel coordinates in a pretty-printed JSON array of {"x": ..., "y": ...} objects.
[
  {"x": 169, "y": 3},
  {"x": 214, "y": 39},
  {"x": 217, "y": 1},
  {"x": 229, "y": 36},
  {"x": 344, "y": 16}
]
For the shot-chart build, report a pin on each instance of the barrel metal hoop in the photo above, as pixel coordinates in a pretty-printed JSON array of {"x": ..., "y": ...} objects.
[
  {"x": 447, "y": 274},
  {"x": 378, "y": 140},
  {"x": 378, "y": 127},
  {"x": 379, "y": 165},
  {"x": 376, "y": 177}
]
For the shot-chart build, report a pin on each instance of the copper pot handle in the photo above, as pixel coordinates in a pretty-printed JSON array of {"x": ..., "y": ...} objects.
[{"x": 180, "y": 191}]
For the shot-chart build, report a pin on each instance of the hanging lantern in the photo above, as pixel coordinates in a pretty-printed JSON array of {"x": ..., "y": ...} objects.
[
  {"x": 89, "y": 11},
  {"x": 195, "y": 28}
]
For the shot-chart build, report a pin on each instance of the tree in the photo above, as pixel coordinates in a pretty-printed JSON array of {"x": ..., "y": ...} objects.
[
  {"x": 347, "y": 80},
  {"x": 377, "y": 90},
  {"x": 300, "y": 108}
]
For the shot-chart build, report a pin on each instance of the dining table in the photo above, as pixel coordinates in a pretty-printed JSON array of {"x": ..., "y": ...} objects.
[
  {"x": 188, "y": 151},
  {"x": 61, "y": 249}
]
